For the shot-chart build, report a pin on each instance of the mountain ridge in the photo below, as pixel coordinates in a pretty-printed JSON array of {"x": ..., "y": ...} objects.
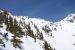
[{"x": 24, "y": 33}]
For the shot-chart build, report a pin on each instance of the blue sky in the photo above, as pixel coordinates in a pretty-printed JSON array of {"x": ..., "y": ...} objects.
[{"x": 54, "y": 10}]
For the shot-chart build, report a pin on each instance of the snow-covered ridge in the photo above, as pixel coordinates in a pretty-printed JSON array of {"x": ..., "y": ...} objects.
[{"x": 36, "y": 34}]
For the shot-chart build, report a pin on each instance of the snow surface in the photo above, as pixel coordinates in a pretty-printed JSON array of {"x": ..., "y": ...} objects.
[{"x": 63, "y": 38}]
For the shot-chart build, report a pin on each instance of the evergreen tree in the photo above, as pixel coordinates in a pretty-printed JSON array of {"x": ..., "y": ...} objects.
[
  {"x": 3, "y": 45},
  {"x": 10, "y": 25},
  {"x": 55, "y": 29},
  {"x": 26, "y": 35},
  {"x": 5, "y": 36},
  {"x": 36, "y": 28},
  {"x": 71, "y": 21},
  {"x": 29, "y": 32},
  {"x": 5, "y": 12},
  {"x": 20, "y": 31},
  {"x": 54, "y": 49},
  {"x": 47, "y": 46},
  {"x": 7, "y": 22},
  {"x": 51, "y": 34},
  {"x": 46, "y": 29},
  {"x": 16, "y": 42},
  {"x": 1, "y": 41},
  {"x": 35, "y": 37},
  {"x": 32, "y": 35},
  {"x": 41, "y": 36},
  {"x": 17, "y": 29}
]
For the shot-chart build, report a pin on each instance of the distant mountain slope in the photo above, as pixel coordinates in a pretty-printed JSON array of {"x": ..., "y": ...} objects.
[{"x": 24, "y": 33}]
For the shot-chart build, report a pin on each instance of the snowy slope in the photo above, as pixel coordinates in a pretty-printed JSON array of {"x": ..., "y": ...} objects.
[
  {"x": 28, "y": 43},
  {"x": 64, "y": 39},
  {"x": 59, "y": 35}
]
